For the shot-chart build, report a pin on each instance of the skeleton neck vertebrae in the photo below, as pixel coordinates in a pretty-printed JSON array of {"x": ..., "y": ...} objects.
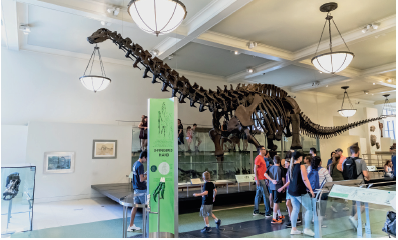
[{"x": 265, "y": 106}]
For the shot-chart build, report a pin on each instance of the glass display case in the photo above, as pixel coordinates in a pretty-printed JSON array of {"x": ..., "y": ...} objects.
[
  {"x": 192, "y": 161},
  {"x": 18, "y": 184}
]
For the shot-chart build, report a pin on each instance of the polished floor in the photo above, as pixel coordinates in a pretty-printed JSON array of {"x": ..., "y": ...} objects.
[{"x": 101, "y": 218}]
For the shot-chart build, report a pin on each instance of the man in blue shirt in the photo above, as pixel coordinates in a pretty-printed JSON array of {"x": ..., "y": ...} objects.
[
  {"x": 393, "y": 160},
  {"x": 139, "y": 186}
]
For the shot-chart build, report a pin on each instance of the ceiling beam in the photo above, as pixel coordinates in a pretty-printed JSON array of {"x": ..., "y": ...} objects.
[
  {"x": 372, "y": 91},
  {"x": 386, "y": 25},
  {"x": 389, "y": 67},
  {"x": 9, "y": 12},
  {"x": 258, "y": 71},
  {"x": 220, "y": 10},
  {"x": 320, "y": 83}
]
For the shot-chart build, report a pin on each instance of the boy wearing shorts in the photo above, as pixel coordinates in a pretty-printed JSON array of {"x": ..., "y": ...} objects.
[
  {"x": 208, "y": 197},
  {"x": 275, "y": 175}
]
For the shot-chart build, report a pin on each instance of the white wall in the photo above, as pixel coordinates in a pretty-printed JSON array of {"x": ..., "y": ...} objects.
[
  {"x": 78, "y": 138},
  {"x": 13, "y": 144}
]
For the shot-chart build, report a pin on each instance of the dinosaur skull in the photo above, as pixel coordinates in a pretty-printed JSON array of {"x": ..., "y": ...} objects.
[{"x": 98, "y": 36}]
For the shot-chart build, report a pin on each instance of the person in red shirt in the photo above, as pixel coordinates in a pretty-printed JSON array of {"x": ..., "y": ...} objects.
[{"x": 261, "y": 191}]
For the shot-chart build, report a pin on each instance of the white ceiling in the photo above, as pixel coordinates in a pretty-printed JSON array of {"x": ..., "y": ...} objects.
[
  {"x": 285, "y": 30},
  {"x": 293, "y": 25},
  {"x": 210, "y": 60}
]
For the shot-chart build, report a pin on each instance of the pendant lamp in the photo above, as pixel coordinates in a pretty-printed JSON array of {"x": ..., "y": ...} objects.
[
  {"x": 387, "y": 105},
  {"x": 331, "y": 62},
  {"x": 95, "y": 83},
  {"x": 347, "y": 112},
  {"x": 157, "y": 17}
]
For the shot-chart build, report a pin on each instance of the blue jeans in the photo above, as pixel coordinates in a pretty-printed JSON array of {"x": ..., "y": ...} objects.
[
  {"x": 306, "y": 201},
  {"x": 262, "y": 191}
]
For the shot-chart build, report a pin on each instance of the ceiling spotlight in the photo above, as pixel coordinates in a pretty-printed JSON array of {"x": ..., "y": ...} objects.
[
  {"x": 25, "y": 28},
  {"x": 250, "y": 70},
  {"x": 366, "y": 92},
  {"x": 375, "y": 25},
  {"x": 389, "y": 80},
  {"x": 327, "y": 85},
  {"x": 365, "y": 29},
  {"x": 236, "y": 52},
  {"x": 251, "y": 45},
  {"x": 372, "y": 94},
  {"x": 374, "y": 83},
  {"x": 103, "y": 23},
  {"x": 155, "y": 52},
  {"x": 320, "y": 71},
  {"x": 170, "y": 57},
  {"x": 115, "y": 11}
]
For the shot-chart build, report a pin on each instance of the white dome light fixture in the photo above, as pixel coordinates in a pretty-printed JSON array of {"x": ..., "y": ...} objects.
[
  {"x": 157, "y": 17},
  {"x": 348, "y": 112},
  {"x": 331, "y": 62},
  {"x": 95, "y": 83}
]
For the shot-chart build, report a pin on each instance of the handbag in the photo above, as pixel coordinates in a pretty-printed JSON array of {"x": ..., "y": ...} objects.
[{"x": 390, "y": 226}]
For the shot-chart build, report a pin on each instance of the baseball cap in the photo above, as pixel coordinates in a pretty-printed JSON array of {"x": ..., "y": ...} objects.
[{"x": 339, "y": 150}]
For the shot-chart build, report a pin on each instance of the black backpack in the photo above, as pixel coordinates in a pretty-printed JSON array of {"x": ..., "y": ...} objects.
[{"x": 350, "y": 169}]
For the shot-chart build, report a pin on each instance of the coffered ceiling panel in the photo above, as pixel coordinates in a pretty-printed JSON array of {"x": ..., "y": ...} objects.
[
  {"x": 69, "y": 32},
  {"x": 210, "y": 60},
  {"x": 293, "y": 25},
  {"x": 374, "y": 51},
  {"x": 290, "y": 76}
]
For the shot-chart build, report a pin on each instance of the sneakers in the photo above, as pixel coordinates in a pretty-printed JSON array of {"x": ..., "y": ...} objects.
[
  {"x": 333, "y": 209},
  {"x": 274, "y": 221},
  {"x": 295, "y": 232},
  {"x": 268, "y": 215},
  {"x": 281, "y": 217},
  {"x": 258, "y": 213},
  {"x": 206, "y": 230},
  {"x": 218, "y": 223},
  {"x": 353, "y": 222},
  {"x": 289, "y": 224},
  {"x": 309, "y": 232},
  {"x": 133, "y": 228},
  {"x": 299, "y": 220}
]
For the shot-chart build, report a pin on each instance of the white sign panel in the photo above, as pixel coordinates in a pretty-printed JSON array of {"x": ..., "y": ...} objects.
[
  {"x": 381, "y": 197},
  {"x": 245, "y": 178}
]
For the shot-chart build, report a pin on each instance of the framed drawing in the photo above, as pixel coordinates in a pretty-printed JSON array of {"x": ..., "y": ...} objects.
[
  {"x": 104, "y": 149},
  {"x": 59, "y": 162}
]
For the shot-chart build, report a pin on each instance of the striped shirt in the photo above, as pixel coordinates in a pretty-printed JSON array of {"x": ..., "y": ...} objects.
[{"x": 323, "y": 173}]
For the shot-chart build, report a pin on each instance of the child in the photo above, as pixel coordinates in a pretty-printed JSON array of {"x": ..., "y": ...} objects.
[
  {"x": 189, "y": 137},
  {"x": 277, "y": 179},
  {"x": 208, "y": 197}
]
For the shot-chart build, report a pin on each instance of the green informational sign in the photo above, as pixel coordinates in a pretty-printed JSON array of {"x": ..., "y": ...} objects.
[{"x": 163, "y": 163}]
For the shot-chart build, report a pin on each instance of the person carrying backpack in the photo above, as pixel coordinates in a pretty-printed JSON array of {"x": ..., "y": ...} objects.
[
  {"x": 355, "y": 168},
  {"x": 319, "y": 176}
]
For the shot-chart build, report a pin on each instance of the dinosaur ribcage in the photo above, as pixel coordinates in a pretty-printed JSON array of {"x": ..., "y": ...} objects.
[{"x": 270, "y": 116}]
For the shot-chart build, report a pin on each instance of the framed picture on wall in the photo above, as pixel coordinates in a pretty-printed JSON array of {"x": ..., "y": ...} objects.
[
  {"x": 59, "y": 162},
  {"x": 104, "y": 149}
]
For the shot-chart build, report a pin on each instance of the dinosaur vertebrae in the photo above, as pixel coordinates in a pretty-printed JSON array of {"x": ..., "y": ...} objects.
[
  {"x": 224, "y": 100},
  {"x": 316, "y": 131}
]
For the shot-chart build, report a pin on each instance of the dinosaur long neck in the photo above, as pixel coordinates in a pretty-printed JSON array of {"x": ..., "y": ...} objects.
[
  {"x": 314, "y": 130},
  {"x": 222, "y": 100}
]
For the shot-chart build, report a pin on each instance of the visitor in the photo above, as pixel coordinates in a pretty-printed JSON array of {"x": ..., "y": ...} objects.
[
  {"x": 208, "y": 195},
  {"x": 143, "y": 126},
  {"x": 361, "y": 173},
  {"x": 195, "y": 137},
  {"x": 189, "y": 137},
  {"x": 268, "y": 163},
  {"x": 323, "y": 176},
  {"x": 393, "y": 160},
  {"x": 275, "y": 175},
  {"x": 245, "y": 141},
  {"x": 340, "y": 152},
  {"x": 330, "y": 160},
  {"x": 139, "y": 187},
  {"x": 337, "y": 175},
  {"x": 180, "y": 133},
  {"x": 298, "y": 186},
  {"x": 261, "y": 189},
  {"x": 388, "y": 169},
  {"x": 307, "y": 161},
  {"x": 313, "y": 152},
  {"x": 224, "y": 126}
]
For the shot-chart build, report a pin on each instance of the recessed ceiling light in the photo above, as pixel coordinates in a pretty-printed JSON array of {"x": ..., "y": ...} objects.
[
  {"x": 236, "y": 52},
  {"x": 366, "y": 92},
  {"x": 374, "y": 83},
  {"x": 105, "y": 23},
  {"x": 389, "y": 80},
  {"x": 250, "y": 70},
  {"x": 327, "y": 85},
  {"x": 372, "y": 94},
  {"x": 320, "y": 72}
]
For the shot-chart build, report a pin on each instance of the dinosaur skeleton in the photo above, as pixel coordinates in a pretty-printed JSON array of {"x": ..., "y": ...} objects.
[{"x": 265, "y": 106}]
